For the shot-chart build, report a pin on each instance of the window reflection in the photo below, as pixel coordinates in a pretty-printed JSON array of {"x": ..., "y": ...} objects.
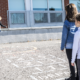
[
  {"x": 40, "y": 17},
  {"x": 17, "y": 18},
  {"x": 56, "y": 17},
  {"x": 40, "y": 5},
  {"x": 55, "y": 5}
]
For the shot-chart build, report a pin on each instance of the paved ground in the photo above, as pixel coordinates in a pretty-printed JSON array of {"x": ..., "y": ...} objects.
[{"x": 33, "y": 61}]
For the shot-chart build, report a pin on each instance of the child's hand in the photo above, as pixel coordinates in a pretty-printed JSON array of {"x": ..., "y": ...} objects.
[
  {"x": 72, "y": 64},
  {"x": 62, "y": 50}
]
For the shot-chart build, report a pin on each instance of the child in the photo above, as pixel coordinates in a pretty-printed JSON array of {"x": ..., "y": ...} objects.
[
  {"x": 76, "y": 45},
  {"x": 69, "y": 29},
  {"x": 1, "y": 24}
]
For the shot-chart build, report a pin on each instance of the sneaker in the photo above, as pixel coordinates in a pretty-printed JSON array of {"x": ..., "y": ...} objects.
[{"x": 68, "y": 78}]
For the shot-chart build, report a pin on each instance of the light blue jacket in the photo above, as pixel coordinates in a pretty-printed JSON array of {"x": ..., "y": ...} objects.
[{"x": 68, "y": 32}]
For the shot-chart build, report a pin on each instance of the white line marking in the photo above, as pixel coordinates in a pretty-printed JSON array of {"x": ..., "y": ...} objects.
[
  {"x": 53, "y": 56},
  {"x": 38, "y": 69},
  {"x": 51, "y": 67},
  {"x": 61, "y": 59},
  {"x": 37, "y": 73},
  {"x": 40, "y": 78},
  {"x": 62, "y": 65},
  {"x": 63, "y": 68},
  {"x": 66, "y": 73},
  {"x": 33, "y": 77},
  {"x": 50, "y": 75},
  {"x": 20, "y": 59},
  {"x": 8, "y": 60},
  {"x": 15, "y": 65},
  {"x": 50, "y": 71},
  {"x": 37, "y": 65},
  {"x": 39, "y": 62},
  {"x": 60, "y": 79},
  {"x": 57, "y": 74}
]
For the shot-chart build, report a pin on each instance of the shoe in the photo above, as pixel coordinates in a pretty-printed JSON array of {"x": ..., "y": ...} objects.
[
  {"x": 76, "y": 78},
  {"x": 68, "y": 78}
]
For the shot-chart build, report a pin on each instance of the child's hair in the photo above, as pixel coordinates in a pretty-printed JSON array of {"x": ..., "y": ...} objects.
[
  {"x": 78, "y": 17},
  {"x": 71, "y": 12}
]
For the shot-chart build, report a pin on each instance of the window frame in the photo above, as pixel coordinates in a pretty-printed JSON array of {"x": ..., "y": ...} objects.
[{"x": 48, "y": 12}]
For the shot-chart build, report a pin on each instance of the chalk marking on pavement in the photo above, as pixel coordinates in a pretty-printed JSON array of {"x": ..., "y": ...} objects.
[
  {"x": 53, "y": 56},
  {"x": 60, "y": 79},
  {"x": 50, "y": 71},
  {"x": 38, "y": 69},
  {"x": 31, "y": 58},
  {"x": 57, "y": 74},
  {"x": 62, "y": 65},
  {"x": 59, "y": 62},
  {"x": 63, "y": 68},
  {"x": 29, "y": 63},
  {"x": 46, "y": 77},
  {"x": 40, "y": 77},
  {"x": 52, "y": 60},
  {"x": 37, "y": 65},
  {"x": 37, "y": 72},
  {"x": 20, "y": 59},
  {"x": 51, "y": 67},
  {"x": 50, "y": 75},
  {"x": 33, "y": 77},
  {"x": 15, "y": 65},
  {"x": 39, "y": 62},
  {"x": 61, "y": 59},
  {"x": 66, "y": 73},
  {"x": 8, "y": 60}
]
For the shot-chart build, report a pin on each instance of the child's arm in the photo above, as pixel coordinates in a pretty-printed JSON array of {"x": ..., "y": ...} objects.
[
  {"x": 2, "y": 25},
  {"x": 64, "y": 37},
  {"x": 75, "y": 46}
]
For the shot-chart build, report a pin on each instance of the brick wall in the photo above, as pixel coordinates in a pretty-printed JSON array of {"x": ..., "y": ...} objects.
[
  {"x": 66, "y": 2},
  {"x": 3, "y": 11}
]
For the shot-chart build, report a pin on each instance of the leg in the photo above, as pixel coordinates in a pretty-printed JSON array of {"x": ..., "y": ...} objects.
[
  {"x": 77, "y": 77},
  {"x": 72, "y": 68},
  {"x": 78, "y": 65}
]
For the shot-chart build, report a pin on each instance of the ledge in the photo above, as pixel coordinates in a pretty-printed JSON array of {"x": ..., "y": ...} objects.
[{"x": 53, "y": 27}]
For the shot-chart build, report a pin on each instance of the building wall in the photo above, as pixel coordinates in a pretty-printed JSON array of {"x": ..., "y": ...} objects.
[
  {"x": 66, "y": 2},
  {"x": 3, "y": 11},
  {"x": 4, "y": 8}
]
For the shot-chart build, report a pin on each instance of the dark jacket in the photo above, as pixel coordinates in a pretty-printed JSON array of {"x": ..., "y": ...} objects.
[{"x": 2, "y": 25}]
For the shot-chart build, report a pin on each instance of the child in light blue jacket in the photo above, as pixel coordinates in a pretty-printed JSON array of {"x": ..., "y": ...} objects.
[{"x": 68, "y": 32}]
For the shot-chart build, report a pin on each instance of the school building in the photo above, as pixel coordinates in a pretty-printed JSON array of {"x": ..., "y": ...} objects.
[{"x": 31, "y": 20}]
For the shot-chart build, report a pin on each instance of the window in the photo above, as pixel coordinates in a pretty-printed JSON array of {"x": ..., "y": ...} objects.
[
  {"x": 17, "y": 18},
  {"x": 55, "y": 5},
  {"x": 16, "y": 5},
  {"x": 76, "y": 2},
  {"x": 39, "y": 4},
  {"x": 40, "y": 17},
  {"x": 53, "y": 10},
  {"x": 55, "y": 17},
  {"x": 45, "y": 4}
]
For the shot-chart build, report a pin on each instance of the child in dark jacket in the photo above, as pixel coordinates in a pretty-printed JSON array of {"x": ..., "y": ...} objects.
[{"x": 1, "y": 23}]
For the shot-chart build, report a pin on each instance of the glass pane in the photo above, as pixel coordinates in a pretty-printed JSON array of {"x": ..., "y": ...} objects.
[
  {"x": 55, "y": 5},
  {"x": 17, "y": 18},
  {"x": 76, "y": 2},
  {"x": 39, "y": 4},
  {"x": 56, "y": 17},
  {"x": 40, "y": 17},
  {"x": 16, "y": 5}
]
